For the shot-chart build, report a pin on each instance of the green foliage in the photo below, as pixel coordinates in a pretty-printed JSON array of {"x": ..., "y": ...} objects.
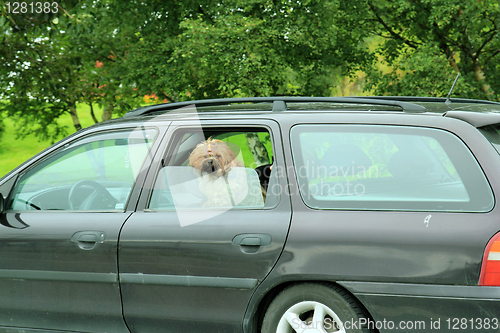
[
  {"x": 48, "y": 65},
  {"x": 186, "y": 50},
  {"x": 111, "y": 53},
  {"x": 426, "y": 43},
  {"x": 36, "y": 76}
]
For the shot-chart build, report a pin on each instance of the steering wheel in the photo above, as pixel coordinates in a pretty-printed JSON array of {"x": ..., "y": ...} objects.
[{"x": 105, "y": 199}]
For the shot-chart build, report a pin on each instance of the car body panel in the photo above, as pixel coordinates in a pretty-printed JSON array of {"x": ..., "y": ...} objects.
[
  {"x": 49, "y": 281},
  {"x": 443, "y": 308}
]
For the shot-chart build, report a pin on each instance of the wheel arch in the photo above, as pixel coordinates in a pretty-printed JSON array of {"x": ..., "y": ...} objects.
[{"x": 254, "y": 320}]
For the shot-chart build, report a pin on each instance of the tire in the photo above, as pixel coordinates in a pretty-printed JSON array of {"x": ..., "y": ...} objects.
[{"x": 314, "y": 307}]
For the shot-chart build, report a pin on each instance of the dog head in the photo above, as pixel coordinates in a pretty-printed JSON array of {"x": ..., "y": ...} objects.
[{"x": 213, "y": 157}]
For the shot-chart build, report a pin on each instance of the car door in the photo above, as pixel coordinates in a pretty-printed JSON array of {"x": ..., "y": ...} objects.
[
  {"x": 195, "y": 268},
  {"x": 405, "y": 213},
  {"x": 59, "y": 234}
]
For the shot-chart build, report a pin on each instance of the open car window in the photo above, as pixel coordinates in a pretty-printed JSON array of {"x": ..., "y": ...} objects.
[
  {"x": 214, "y": 168},
  {"x": 181, "y": 187}
]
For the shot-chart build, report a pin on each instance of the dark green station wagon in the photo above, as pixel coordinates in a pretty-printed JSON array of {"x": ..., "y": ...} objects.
[{"x": 273, "y": 214}]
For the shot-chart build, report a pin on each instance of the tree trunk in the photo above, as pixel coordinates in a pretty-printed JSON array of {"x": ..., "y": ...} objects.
[
  {"x": 258, "y": 150},
  {"x": 74, "y": 117},
  {"x": 480, "y": 78},
  {"x": 107, "y": 112},
  {"x": 92, "y": 113}
]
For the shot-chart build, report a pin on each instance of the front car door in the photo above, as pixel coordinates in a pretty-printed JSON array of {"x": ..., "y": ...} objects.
[
  {"x": 59, "y": 234},
  {"x": 187, "y": 263}
]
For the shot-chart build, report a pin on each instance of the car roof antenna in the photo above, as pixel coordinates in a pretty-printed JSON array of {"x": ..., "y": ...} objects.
[{"x": 448, "y": 98}]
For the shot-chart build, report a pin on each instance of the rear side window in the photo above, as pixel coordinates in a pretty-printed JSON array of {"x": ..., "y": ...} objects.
[
  {"x": 492, "y": 133},
  {"x": 374, "y": 167}
]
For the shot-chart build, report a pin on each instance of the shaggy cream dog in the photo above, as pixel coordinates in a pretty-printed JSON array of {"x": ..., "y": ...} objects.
[{"x": 224, "y": 180}]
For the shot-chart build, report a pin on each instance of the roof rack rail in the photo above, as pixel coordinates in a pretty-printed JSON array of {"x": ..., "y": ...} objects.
[
  {"x": 432, "y": 99},
  {"x": 279, "y": 103}
]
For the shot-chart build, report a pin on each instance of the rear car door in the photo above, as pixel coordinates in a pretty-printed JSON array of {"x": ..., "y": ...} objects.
[
  {"x": 405, "y": 213},
  {"x": 59, "y": 234},
  {"x": 186, "y": 265}
]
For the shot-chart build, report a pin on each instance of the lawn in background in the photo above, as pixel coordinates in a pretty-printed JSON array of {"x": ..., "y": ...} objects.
[{"x": 15, "y": 151}]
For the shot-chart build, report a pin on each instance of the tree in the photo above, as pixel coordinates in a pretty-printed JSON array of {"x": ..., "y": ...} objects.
[
  {"x": 183, "y": 50},
  {"x": 112, "y": 53},
  {"x": 187, "y": 50},
  {"x": 426, "y": 43},
  {"x": 2, "y": 128},
  {"x": 32, "y": 71},
  {"x": 48, "y": 65}
]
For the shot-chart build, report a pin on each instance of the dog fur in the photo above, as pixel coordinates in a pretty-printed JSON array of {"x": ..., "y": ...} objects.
[{"x": 213, "y": 159}]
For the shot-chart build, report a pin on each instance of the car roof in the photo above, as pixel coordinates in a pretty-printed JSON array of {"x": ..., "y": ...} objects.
[{"x": 476, "y": 112}]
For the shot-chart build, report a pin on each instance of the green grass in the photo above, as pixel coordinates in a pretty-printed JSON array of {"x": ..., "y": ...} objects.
[
  {"x": 241, "y": 142},
  {"x": 14, "y": 151}
]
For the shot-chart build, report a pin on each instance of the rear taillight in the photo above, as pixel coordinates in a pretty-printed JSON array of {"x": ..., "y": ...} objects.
[{"x": 490, "y": 269}]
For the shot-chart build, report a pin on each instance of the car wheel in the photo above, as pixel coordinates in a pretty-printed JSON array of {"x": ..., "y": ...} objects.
[{"x": 314, "y": 308}]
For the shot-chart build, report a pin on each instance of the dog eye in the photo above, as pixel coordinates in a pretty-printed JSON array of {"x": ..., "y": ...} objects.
[
  {"x": 218, "y": 156},
  {"x": 206, "y": 156}
]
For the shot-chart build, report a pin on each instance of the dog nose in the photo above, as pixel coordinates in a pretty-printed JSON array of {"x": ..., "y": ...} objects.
[{"x": 208, "y": 166}]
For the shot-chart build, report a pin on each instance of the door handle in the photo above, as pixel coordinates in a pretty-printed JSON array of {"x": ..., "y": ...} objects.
[
  {"x": 87, "y": 240},
  {"x": 252, "y": 239}
]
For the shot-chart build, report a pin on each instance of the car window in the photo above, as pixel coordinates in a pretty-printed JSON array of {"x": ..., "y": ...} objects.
[
  {"x": 492, "y": 133},
  {"x": 215, "y": 168},
  {"x": 93, "y": 173},
  {"x": 387, "y": 168}
]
